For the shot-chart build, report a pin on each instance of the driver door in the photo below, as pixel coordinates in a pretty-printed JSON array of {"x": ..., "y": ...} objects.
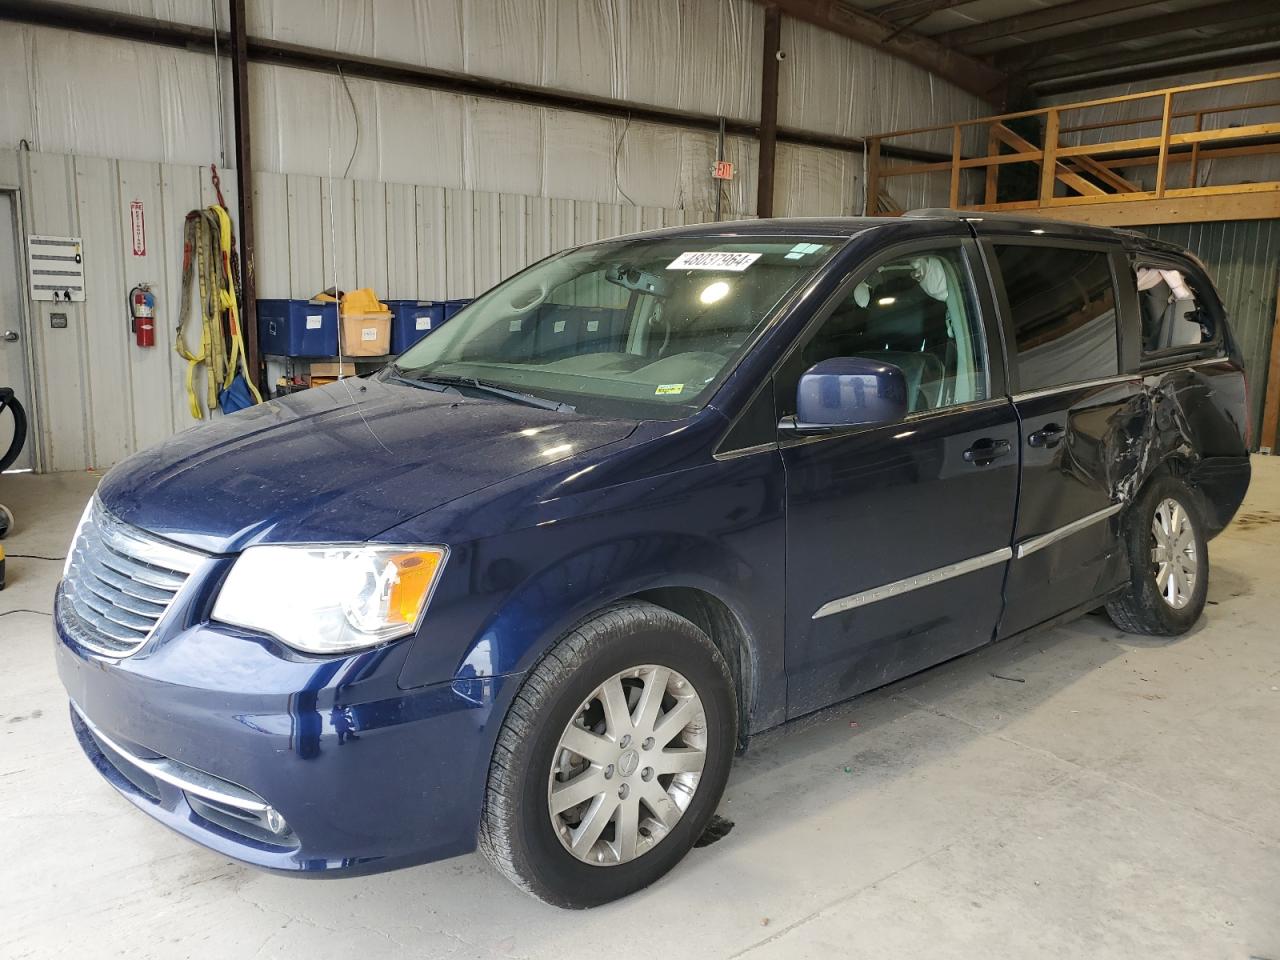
[{"x": 898, "y": 534}]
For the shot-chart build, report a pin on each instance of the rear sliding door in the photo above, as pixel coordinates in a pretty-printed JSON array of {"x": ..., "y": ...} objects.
[{"x": 1080, "y": 423}]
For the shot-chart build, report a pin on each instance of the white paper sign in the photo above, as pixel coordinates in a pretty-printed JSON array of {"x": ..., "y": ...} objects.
[
  {"x": 56, "y": 269},
  {"x": 314, "y": 321},
  {"x": 713, "y": 260},
  {"x": 369, "y": 333},
  {"x": 422, "y": 323}
]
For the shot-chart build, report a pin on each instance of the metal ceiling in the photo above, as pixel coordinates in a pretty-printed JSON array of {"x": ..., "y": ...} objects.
[{"x": 1050, "y": 46}]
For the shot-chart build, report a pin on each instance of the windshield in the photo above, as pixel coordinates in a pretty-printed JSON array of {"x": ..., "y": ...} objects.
[{"x": 644, "y": 328}]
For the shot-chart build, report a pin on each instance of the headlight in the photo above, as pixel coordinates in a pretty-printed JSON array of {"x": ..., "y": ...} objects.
[{"x": 330, "y": 599}]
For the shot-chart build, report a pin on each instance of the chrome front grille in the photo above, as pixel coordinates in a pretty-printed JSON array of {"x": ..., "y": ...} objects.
[{"x": 120, "y": 582}]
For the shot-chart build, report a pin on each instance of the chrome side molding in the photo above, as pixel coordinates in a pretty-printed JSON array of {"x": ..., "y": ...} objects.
[
  {"x": 1032, "y": 544},
  {"x": 959, "y": 569},
  {"x": 907, "y": 584}
]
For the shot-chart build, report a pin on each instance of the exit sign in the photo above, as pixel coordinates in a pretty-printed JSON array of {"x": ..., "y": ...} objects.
[{"x": 722, "y": 170}]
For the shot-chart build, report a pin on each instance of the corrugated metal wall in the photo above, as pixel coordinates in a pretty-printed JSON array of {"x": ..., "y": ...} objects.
[
  {"x": 70, "y": 93},
  {"x": 101, "y": 398},
  {"x": 1244, "y": 259},
  {"x": 434, "y": 194}
]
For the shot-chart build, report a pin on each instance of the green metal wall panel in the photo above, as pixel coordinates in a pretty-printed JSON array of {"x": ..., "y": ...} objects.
[{"x": 1243, "y": 257}]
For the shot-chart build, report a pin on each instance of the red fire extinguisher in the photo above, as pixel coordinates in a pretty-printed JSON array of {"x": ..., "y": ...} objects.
[{"x": 142, "y": 313}]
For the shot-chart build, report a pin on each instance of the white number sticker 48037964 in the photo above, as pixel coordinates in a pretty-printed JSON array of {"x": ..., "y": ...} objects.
[{"x": 713, "y": 260}]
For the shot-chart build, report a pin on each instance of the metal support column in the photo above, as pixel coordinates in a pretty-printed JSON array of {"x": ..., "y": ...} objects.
[
  {"x": 768, "y": 110},
  {"x": 244, "y": 170}
]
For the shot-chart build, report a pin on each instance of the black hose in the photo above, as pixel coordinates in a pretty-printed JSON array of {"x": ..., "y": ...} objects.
[{"x": 9, "y": 402}]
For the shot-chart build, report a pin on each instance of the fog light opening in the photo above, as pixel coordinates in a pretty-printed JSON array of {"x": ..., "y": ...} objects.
[{"x": 275, "y": 822}]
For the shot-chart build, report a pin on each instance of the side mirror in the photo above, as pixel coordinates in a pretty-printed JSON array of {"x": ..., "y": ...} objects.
[{"x": 848, "y": 392}]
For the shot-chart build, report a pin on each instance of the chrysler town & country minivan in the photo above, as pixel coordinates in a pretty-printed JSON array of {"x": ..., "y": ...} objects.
[{"x": 533, "y": 584}]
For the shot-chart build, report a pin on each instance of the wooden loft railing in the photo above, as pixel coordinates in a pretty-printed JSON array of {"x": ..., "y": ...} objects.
[{"x": 1087, "y": 181}]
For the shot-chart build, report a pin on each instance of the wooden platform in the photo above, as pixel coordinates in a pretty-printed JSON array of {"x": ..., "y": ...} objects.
[{"x": 1126, "y": 181}]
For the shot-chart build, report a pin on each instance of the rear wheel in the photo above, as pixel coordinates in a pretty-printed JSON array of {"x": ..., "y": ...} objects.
[
  {"x": 1168, "y": 562},
  {"x": 612, "y": 758}
]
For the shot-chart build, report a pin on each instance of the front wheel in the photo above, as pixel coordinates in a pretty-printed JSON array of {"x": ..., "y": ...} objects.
[
  {"x": 612, "y": 758},
  {"x": 1168, "y": 562}
]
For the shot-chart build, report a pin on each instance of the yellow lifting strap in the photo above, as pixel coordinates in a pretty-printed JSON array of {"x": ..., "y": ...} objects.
[
  {"x": 206, "y": 253},
  {"x": 237, "y": 358}
]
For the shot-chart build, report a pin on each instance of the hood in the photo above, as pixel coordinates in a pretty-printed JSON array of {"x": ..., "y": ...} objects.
[{"x": 340, "y": 463}]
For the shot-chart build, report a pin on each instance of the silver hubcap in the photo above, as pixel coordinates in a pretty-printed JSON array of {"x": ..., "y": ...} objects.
[
  {"x": 627, "y": 765},
  {"x": 1173, "y": 553}
]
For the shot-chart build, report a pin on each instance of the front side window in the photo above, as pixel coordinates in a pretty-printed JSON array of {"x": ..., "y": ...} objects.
[
  {"x": 644, "y": 328},
  {"x": 1172, "y": 314},
  {"x": 1063, "y": 303},
  {"x": 916, "y": 312}
]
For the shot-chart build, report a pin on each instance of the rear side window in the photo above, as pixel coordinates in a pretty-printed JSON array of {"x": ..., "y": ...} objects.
[
  {"x": 1173, "y": 315},
  {"x": 1064, "y": 314}
]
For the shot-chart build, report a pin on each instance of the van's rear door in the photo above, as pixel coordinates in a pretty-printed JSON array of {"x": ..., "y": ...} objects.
[{"x": 1081, "y": 421}]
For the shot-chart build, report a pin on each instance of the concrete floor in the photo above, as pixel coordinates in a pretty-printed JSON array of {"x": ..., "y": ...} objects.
[{"x": 1123, "y": 800}]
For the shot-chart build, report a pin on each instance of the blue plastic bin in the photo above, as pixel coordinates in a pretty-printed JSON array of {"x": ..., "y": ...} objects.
[
  {"x": 411, "y": 320},
  {"x": 298, "y": 328},
  {"x": 453, "y": 306}
]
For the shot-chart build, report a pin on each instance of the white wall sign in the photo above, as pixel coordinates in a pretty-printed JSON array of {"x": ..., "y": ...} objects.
[
  {"x": 138, "y": 229},
  {"x": 57, "y": 268}
]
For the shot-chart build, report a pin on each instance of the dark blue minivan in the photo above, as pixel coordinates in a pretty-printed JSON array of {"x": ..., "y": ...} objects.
[{"x": 532, "y": 585}]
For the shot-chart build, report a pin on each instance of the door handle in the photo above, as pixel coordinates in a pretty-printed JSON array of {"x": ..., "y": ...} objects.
[
  {"x": 1049, "y": 436},
  {"x": 11, "y": 336},
  {"x": 986, "y": 451}
]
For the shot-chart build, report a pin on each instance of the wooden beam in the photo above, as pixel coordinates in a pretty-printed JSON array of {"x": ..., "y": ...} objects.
[
  {"x": 991, "y": 187},
  {"x": 957, "y": 144},
  {"x": 1162, "y": 159},
  {"x": 1269, "y": 435},
  {"x": 1049, "y": 163},
  {"x": 1058, "y": 170},
  {"x": 871, "y": 189},
  {"x": 967, "y": 73},
  {"x": 1172, "y": 209},
  {"x": 768, "y": 111},
  {"x": 1144, "y": 26},
  {"x": 1105, "y": 174},
  {"x": 1024, "y": 23},
  {"x": 1175, "y": 139},
  {"x": 1199, "y": 113}
]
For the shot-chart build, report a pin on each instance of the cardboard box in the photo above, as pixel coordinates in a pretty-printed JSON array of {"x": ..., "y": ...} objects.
[
  {"x": 332, "y": 371},
  {"x": 366, "y": 334}
]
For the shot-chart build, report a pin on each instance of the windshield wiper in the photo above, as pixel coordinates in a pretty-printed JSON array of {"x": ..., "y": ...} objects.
[
  {"x": 494, "y": 390},
  {"x": 422, "y": 384}
]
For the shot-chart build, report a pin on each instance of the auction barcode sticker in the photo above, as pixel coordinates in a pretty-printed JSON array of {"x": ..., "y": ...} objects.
[{"x": 713, "y": 260}]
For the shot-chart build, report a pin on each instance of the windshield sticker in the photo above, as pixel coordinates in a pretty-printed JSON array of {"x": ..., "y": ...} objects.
[
  {"x": 713, "y": 260},
  {"x": 803, "y": 249},
  {"x": 667, "y": 389}
]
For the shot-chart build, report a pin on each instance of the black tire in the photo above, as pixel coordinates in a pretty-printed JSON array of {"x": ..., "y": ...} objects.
[
  {"x": 516, "y": 833},
  {"x": 1142, "y": 607},
  {"x": 10, "y": 455}
]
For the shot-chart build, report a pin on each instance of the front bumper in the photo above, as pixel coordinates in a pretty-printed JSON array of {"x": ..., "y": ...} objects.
[{"x": 207, "y": 729}]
